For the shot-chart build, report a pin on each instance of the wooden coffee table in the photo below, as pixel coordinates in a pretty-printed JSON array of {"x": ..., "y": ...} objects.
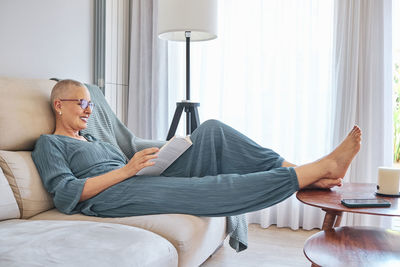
[{"x": 350, "y": 246}]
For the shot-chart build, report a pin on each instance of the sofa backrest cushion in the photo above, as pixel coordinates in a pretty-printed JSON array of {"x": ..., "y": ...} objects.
[
  {"x": 8, "y": 205},
  {"x": 25, "y": 182},
  {"x": 25, "y": 112}
]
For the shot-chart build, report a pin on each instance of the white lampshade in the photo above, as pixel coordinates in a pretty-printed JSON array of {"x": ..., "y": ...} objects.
[{"x": 197, "y": 16}]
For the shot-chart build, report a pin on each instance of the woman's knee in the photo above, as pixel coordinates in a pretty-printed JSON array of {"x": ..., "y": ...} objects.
[
  {"x": 208, "y": 127},
  {"x": 212, "y": 123}
]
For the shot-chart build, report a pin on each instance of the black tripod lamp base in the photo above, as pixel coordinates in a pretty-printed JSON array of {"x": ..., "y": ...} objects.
[{"x": 192, "y": 117}]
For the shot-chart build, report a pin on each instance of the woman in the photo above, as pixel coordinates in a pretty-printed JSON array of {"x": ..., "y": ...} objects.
[{"x": 223, "y": 173}]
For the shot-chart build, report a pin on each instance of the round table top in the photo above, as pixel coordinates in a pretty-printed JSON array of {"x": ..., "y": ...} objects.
[
  {"x": 354, "y": 246},
  {"x": 330, "y": 199}
]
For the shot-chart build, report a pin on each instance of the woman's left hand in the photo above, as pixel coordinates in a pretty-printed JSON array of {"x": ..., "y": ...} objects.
[{"x": 326, "y": 183}]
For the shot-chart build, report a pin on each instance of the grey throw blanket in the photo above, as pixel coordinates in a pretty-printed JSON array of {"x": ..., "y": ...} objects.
[{"x": 104, "y": 125}]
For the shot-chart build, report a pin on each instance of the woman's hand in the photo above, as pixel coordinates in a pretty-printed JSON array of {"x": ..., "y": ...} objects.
[
  {"x": 97, "y": 184},
  {"x": 140, "y": 160},
  {"x": 326, "y": 183}
]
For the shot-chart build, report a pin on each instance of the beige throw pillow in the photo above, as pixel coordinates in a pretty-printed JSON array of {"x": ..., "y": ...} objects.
[
  {"x": 25, "y": 112},
  {"x": 25, "y": 182},
  {"x": 8, "y": 205}
]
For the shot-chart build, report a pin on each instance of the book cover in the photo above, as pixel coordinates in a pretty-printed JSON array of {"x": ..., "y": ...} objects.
[{"x": 167, "y": 155}]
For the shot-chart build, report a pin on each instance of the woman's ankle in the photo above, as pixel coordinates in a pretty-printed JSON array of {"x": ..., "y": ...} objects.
[{"x": 328, "y": 167}]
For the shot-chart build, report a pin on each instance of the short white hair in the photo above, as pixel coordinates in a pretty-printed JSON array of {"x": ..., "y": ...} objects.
[{"x": 62, "y": 89}]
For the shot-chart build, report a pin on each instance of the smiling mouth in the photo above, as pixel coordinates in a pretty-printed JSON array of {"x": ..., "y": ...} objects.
[{"x": 85, "y": 119}]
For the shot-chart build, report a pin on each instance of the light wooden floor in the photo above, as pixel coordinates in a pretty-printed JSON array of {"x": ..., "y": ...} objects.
[{"x": 273, "y": 246}]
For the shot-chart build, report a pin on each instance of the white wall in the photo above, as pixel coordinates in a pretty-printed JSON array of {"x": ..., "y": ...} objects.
[{"x": 47, "y": 38}]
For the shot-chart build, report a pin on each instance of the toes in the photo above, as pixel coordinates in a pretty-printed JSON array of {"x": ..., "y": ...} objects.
[{"x": 356, "y": 131}]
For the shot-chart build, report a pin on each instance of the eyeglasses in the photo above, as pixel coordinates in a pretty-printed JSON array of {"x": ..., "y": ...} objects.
[{"x": 82, "y": 102}]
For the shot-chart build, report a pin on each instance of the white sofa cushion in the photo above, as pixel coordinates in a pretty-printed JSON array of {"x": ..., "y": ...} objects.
[
  {"x": 25, "y": 182},
  {"x": 66, "y": 243},
  {"x": 195, "y": 238},
  {"x": 8, "y": 205}
]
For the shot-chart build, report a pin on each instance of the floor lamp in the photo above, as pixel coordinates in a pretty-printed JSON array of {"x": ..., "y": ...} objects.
[{"x": 187, "y": 20}]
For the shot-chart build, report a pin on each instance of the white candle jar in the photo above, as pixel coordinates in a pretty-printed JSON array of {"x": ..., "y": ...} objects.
[{"x": 388, "y": 181}]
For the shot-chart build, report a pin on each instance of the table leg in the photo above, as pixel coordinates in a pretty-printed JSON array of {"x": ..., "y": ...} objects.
[
  {"x": 330, "y": 219},
  {"x": 338, "y": 219}
]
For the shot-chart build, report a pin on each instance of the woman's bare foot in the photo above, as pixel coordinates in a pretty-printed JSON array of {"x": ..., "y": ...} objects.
[
  {"x": 332, "y": 167},
  {"x": 339, "y": 159}
]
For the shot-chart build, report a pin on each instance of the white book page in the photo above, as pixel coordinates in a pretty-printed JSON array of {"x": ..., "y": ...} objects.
[{"x": 167, "y": 155}]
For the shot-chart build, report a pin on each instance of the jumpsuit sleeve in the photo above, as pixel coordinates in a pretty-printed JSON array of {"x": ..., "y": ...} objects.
[{"x": 56, "y": 175}]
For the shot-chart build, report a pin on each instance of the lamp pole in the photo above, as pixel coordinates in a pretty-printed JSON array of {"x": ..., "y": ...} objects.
[
  {"x": 192, "y": 114},
  {"x": 187, "y": 36},
  {"x": 188, "y": 120}
]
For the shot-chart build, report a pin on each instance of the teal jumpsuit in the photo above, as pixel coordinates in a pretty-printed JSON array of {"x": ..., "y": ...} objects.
[{"x": 223, "y": 173}]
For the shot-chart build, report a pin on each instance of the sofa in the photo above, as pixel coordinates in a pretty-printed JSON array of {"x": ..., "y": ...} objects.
[{"x": 34, "y": 233}]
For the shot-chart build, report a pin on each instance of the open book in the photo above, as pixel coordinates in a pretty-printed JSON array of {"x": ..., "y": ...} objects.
[{"x": 167, "y": 155}]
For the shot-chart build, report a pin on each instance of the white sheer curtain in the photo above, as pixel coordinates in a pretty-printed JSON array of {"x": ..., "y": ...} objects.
[
  {"x": 363, "y": 86},
  {"x": 148, "y": 91},
  {"x": 268, "y": 74}
]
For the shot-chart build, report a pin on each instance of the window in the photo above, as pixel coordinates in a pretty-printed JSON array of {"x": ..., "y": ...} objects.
[
  {"x": 268, "y": 74},
  {"x": 396, "y": 80},
  {"x": 396, "y": 91}
]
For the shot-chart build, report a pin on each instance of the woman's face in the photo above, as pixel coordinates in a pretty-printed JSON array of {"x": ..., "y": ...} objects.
[{"x": 73, "y": 116}]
